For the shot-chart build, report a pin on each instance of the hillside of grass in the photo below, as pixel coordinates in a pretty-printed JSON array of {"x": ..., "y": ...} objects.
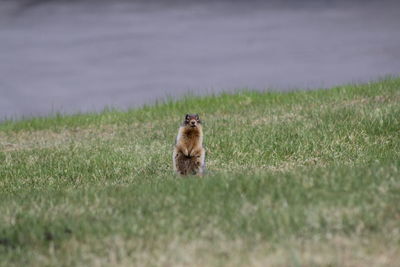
[{"x": 306, "y": 178}]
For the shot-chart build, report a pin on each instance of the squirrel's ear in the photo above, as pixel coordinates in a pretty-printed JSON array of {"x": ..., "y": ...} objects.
[
  {"x": 197, "y": 116},
  {"x": 186, "y": 116}
]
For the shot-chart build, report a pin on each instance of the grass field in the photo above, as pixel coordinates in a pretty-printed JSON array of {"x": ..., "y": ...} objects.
[{"x": 294, "y": 179}]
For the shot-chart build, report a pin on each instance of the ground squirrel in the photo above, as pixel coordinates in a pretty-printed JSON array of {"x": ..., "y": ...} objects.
[{"x": 189, "y": 153}]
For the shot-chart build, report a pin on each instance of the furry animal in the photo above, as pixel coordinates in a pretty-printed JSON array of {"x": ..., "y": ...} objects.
[{"x": 189, "y": 153}]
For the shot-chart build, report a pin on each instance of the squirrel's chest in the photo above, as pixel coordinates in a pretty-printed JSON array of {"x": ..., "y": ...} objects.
[
  {"x": 189, "y": 139},
  {"x": 190, "y": 142}
]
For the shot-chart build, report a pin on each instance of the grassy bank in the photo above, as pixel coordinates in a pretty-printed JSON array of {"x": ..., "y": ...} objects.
[{"x": 294, "y": 179}]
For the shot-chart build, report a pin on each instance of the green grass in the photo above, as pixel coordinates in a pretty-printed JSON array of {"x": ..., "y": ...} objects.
[{"x": 306, "y": 178}]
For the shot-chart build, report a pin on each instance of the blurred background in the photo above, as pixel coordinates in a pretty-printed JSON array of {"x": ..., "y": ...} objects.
[{"x": 78, "y": 56}]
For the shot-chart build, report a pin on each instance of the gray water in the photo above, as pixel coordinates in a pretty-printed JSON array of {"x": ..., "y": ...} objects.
[{"x": 86, "y": 55}]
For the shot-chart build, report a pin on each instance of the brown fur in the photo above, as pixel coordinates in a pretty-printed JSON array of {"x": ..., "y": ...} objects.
[{"x": 189, "y": 154}]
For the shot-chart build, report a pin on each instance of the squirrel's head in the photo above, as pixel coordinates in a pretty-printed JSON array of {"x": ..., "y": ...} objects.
[{"x": 192, "y": 121}]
